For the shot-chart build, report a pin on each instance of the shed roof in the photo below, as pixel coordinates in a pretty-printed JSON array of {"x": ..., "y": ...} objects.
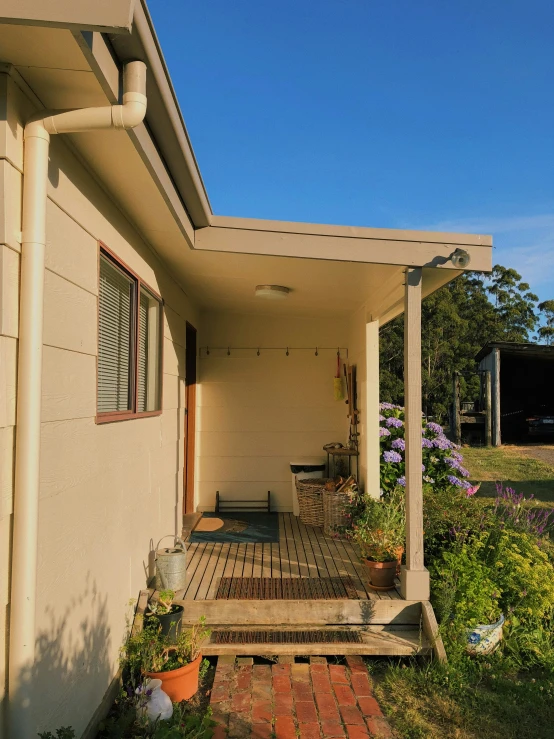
[{"x": 514, "y": 348}]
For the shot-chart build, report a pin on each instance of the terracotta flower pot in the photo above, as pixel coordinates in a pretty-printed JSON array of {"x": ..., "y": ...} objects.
[
  {"x": 382, "y": 574},
  {"x": 180, "y": 684}
]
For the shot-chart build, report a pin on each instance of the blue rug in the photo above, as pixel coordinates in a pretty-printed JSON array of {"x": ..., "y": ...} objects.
[{"x": 241, "y": 528}]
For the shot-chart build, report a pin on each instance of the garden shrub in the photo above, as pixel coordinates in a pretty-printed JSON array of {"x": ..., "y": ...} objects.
[{"x": 485, "y": 557}]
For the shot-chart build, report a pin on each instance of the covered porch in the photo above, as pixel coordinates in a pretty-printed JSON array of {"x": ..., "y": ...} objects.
[
  {"x": 265, "y": 369},
  {"x": 264, "y": 397}
]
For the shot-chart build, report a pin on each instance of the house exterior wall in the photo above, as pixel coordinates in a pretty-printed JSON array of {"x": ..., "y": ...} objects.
[
  {"x": 108, "y": 492},
  {"x": 256, "y": 414}
]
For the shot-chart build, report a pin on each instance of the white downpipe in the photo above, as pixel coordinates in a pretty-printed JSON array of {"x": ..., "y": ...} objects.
[{"x": 29, "y": 375}]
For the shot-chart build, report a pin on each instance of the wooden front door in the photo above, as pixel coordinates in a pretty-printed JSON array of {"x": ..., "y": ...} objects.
[{"x": 190, "y": 418}]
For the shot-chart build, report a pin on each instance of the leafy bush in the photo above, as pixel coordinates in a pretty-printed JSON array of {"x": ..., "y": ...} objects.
[
  {"x": 462, "y": 587},
  {"x": 64, "y": 732}
]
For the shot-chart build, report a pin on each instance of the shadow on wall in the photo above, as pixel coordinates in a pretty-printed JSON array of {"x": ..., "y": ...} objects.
[{"x": 69, "y": 654}]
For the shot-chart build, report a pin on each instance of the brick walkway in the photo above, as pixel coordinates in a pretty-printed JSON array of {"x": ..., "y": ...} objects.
[{"x": 291, "y": 700}]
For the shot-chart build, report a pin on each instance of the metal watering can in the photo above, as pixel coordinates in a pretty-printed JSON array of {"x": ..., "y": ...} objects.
[{"x": 171, "y": 565}]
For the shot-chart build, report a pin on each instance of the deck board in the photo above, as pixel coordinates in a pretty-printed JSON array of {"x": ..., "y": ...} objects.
[{"x": 302, "y": 551}]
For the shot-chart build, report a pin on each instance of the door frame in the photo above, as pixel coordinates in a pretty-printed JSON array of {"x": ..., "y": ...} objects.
[{"x": 190, "y": 417}]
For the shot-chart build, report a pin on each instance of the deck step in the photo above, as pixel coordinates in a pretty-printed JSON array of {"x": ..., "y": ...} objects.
[
  {"x": 362, "y": 640},
  {"x": 300, "y": 612}
]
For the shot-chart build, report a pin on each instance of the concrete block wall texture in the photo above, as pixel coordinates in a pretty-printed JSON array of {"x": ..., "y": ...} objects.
[
  {"x": 258, "y": 413},
  {"x": 108, "y": 492}
]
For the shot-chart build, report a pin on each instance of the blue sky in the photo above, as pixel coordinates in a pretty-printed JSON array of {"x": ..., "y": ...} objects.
[{"x": 391, "y": 113}]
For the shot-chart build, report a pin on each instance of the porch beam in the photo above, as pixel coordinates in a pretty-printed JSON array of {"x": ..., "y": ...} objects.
[
  {"x": 343, "y": 244},
  {"x": 414, "y": 576}
]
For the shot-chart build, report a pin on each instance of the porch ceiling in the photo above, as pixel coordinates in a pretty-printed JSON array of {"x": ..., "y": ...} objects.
[{"x": 226, "y": 282}]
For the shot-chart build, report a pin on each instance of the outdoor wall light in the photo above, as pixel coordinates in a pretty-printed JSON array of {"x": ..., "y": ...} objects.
[
  {"x": 272, "y": 292},
  {"x": 460, "y": 258}
]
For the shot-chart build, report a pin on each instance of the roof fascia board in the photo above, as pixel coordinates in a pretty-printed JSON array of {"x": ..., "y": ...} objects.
[
  {"x": 164, "y": 116},
  {"x": 389, "y": 234},
  {"x": 344, "y": 244},
  {"x": 100, "y": 56},
  {"x": 113, "y": 16}
]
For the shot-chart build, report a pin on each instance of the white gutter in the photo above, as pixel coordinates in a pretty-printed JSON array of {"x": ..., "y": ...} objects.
[{"x": 29, "y": 375}]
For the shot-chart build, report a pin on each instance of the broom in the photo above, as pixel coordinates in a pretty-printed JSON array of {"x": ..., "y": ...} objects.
[{"x": 337, "y": 381}]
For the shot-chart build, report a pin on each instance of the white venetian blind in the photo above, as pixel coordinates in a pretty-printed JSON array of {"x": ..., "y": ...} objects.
[
  {"x": 149, "y": 353},
  {"x": 142, "y": 352},
  {"x": 114, "y": 338}
]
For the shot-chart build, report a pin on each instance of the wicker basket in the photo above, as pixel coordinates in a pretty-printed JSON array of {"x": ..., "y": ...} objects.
[
  {"x": 334, "y": 510},
  {"x": 309, "y": 492}
]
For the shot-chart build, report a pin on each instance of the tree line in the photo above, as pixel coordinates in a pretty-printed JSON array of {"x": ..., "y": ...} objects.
[{"x": 457, "y": 321}]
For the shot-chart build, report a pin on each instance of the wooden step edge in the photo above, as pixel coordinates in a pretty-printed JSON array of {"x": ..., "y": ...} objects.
[
  {"x": 432, "y": 633},
  {"x": 319, "y": 612},
  {"x": 407, "y": 642}
]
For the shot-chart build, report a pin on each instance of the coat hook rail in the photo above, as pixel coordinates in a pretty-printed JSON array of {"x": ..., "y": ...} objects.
[{"x": 206, "y": 351}]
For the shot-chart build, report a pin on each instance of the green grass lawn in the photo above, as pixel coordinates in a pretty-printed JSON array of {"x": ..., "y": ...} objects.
[
  {"x": 510, "y": 466},
  {"x": 496, "y": 708}
]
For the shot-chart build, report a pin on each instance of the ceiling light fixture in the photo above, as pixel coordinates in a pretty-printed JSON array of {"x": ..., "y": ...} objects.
[{"x": 272, "y": 292}]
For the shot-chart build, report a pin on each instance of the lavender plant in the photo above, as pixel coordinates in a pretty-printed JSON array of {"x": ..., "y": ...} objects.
[{"x": 510, "y": 509}]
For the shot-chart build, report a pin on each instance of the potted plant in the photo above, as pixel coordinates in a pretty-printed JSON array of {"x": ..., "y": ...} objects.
[
  {"x": 167, "y": 613},
  {"x": 174, "y": 661},
  {"x": 379, "y": 532}
]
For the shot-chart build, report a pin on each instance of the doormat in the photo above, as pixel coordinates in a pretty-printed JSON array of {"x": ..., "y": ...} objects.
[
  {"x": 313, "y": 636},
  {"x": 292, "y": 588},
  {"x": 239, "y": 528}
]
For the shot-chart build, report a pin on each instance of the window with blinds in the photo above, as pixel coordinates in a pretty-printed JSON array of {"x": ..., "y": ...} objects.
[
  {"x": 149, "y": 353},
  {"x": 129, "y": 344}
]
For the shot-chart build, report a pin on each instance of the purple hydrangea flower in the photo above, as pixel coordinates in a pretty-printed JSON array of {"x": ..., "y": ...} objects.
[
  {"x": 394, "y": 422},
  {"x": 392, "y": 457},
  {"x": 441, "y": 442},
  {"x": 427, "y": 443},
  {"x": 423, "y": 468},
  {"x": 389, "y": 407},
  {"x": 457, "y": 456},
  {"x": 383, "y": 431},
  {"x": 381, "y": 418},
  {"x": 463, "y": 472},
  {"x": 399, "y": 445},
  {"x": 434, "y": 427},
  {"x": 401, "y": 481},
  {"x": 451, "y": 462}
]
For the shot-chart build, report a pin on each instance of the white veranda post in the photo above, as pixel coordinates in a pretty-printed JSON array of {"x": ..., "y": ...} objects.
[{"x": 414, "y": 577}]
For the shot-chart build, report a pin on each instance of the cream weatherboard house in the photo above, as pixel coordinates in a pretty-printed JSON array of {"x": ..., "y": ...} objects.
[{"x": 139, "y": 372}]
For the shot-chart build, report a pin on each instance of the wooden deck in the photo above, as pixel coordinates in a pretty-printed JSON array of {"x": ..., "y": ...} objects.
[{"x": 302, "y": 551}]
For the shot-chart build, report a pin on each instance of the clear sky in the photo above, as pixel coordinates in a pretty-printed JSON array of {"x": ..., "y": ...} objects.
[{"x": 431, "y": 114}]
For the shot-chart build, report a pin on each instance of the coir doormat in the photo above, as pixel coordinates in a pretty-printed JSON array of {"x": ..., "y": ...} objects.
[
  {"x": 239, "y": 528},
  {"x": 312, "y": 636},
  {"x": 293, "y": 588}
]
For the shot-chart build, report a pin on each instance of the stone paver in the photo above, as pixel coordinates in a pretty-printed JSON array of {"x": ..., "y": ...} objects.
[{"x": 293, "y": 700}]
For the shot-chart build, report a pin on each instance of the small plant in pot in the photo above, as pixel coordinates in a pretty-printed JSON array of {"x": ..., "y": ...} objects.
[
  {"x": 379, "y": 532},
  {"x": 174, "y": 661},
  {"x": 167, "y": 613}
]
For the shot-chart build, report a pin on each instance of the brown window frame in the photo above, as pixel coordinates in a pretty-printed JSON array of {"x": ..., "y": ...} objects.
[{"x": 113, "y": 416}]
